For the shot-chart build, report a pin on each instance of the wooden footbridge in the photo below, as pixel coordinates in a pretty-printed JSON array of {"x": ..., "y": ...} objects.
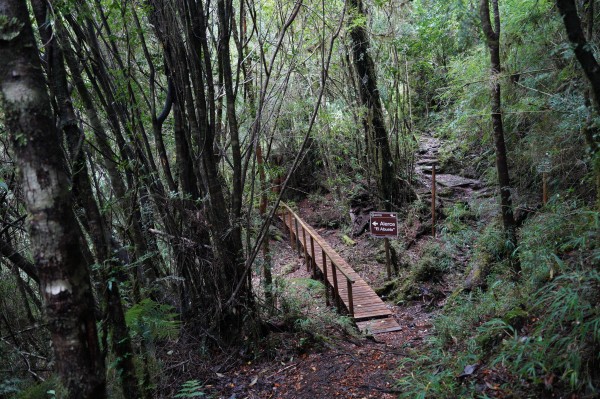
[{"x": 344, "y": 286}]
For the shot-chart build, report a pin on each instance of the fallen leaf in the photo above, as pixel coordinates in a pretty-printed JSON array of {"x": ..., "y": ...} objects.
[{"x": 254, "y": 381}]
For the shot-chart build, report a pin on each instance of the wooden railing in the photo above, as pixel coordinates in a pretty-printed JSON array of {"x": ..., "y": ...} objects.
[{"x": 296, "y": 227}]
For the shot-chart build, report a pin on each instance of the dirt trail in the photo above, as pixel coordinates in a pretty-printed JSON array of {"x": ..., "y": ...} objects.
[{"x": 347, "y": 366}]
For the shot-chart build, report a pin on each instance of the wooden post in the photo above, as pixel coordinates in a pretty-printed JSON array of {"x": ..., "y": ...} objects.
[
  {"x": 387, "y": 258},
  {"x": 325, "y": 277},
  {"x": 292, "y": 239},
  {"x": 313, "y": 261},
  {"x": 433, "y": 200},
  {"x": 350, "y": 298},
  {"x": 545, "y": 188},
  {"x": 335, "y": 286},
  {"x": 298, "y": 242},
  {"x": 305, "y": 248}
]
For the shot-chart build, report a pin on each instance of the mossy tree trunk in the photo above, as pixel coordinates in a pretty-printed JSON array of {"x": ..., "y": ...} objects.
[{"x": 92, "y": 218}]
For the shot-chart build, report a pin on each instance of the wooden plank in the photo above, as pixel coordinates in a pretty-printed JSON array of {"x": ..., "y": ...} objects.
[{"x": 378, "y": 326}]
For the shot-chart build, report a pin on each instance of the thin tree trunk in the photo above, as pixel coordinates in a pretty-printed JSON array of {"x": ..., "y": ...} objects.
[
  {"x": 378, "y": 146},
  {"x": 84, "y": 196},
  {"x": 64, "y": 277},
  {"x": 492, "y": 34}
]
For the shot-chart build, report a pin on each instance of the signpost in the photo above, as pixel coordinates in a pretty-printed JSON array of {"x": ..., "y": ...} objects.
[{"x": 385, "y": 225}]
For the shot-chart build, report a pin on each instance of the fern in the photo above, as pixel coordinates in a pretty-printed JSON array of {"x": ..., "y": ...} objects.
[
  {"x": 153, "y": 320},
  {"x": 190, "y": 389}
]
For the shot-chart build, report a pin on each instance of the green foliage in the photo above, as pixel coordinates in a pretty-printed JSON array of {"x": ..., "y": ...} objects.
[
  {"x": 9, "y": 386},
  {"x": 435, "y": 261},
  {"x": 153, "y": 320},
  {"x": 456, "y": 218},
  {"x": 566, "y": 340},
  {"x": 190, "y": 389},
  {"x": 544, "y": 327},
  {"x": 20, "y": 389},
  {"x": 302, "y": 304}
]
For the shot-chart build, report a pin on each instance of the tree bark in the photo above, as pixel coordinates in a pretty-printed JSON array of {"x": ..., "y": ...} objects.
[
  {"x": 64, "y": 277},
  {"x": 492, "y": 35}
]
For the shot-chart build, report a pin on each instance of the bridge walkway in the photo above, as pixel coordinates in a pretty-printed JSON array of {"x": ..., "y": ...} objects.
[{"x": 345, "y": 288}]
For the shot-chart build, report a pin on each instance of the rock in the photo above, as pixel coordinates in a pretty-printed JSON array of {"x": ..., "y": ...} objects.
[
  {"x": 275, "y": 233},
  {"x": 387, "y": 288},
  {"x": 475, "y": 278},
  {"x": 457, "y": 181}
]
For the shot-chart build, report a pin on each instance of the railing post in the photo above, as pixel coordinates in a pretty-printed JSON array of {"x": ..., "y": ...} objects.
[
  {"x": 284, "y": 218},
  {"x": 350, "y": 298},
  {"x": 292, "y": 238},
  {"x": 305, "y": 248},
  {"x": 325, "y": 277},
  {"x": 298, "y": 245},
  {"x": 313, "y": 262},
  {"x": 335, "y": 285}
]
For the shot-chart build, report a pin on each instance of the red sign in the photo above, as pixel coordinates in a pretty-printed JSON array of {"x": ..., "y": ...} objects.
[{"x": 384, "y": 224}]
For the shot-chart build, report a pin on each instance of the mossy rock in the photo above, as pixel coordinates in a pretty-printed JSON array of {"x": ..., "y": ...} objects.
[
  {"x": 275, "y": 233},
  {"x": 387, "y": 288},
  {"x": 289, "y": 268},
  {"x": 407, "y": 291},
  {"x": 516, "y": 317}
]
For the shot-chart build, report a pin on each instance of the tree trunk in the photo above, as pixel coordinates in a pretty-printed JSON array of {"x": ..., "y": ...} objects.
[
  {"x": 492, "y": 35},
  {"x": 64, "y": 277},
  {"x": 98, "y": 226},
  {"x": 591, "y": 68},
  {"x": 391, "y": 190},
  {"x": 181, "y": 26}
]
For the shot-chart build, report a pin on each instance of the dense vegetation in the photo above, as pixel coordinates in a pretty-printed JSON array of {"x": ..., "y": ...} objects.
[{"x": 146, "y": 146}]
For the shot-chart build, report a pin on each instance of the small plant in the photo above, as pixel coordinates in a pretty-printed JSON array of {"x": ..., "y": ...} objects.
[
  {"x": 190, "y": 389},
  {"x": 456, "y": 216}
]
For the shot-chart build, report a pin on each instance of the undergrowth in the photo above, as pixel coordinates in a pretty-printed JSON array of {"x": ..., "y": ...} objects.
[
  {"x": 301, "y": 305},
  {"x": 535, "y": 336}
]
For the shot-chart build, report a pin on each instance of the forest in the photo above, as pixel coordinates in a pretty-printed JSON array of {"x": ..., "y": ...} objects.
[{"x": 188, "y": 190}]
